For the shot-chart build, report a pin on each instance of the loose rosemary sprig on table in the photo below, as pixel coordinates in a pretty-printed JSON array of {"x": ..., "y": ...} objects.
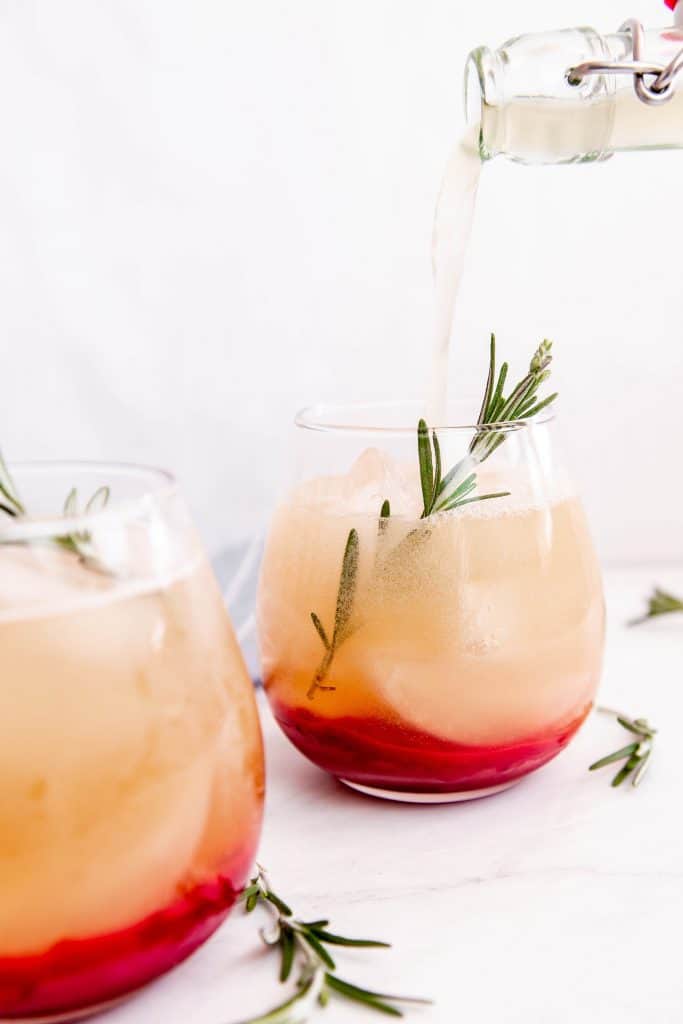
[
  {"x": 660, "y": 602},
  {"x": 303, "y": 946},
  {"x": 441, "y": 493},
  {"x": 636, "y": 755}
]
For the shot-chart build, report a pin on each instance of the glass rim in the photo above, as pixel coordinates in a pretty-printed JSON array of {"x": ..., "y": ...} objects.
[
  {"x": 27, "y": 528},
  {"x": 328, "y": 417}
]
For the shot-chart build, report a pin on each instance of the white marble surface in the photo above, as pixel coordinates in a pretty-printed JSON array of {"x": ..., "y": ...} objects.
[{"x": 558, "y": 901}]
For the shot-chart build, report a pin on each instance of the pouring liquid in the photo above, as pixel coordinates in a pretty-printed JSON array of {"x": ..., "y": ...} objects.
[
  {"x": 450, "y": 238},
  {"x": 530, "y": 131}
]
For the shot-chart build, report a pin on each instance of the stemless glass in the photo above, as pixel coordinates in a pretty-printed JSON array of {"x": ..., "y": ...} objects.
[
  {"x": 131, "y": 767},
  {"x": 431, "y": 659}
]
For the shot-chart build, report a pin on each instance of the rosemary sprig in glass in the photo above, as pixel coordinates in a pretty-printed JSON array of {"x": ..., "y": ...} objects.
[
  {"x": 78, "y": 543},
  {"x": 522, "y": 402},
  {"x": 303, "y": 946},
  {"x": 660, "y": 602},
  {"x": 443, "y": 494},
  {"x": 635, "y": 755},
  {"x": 440, "y": 493},
  {"x": 346, "y": 594},
  {"x": 10, "y": 502}
]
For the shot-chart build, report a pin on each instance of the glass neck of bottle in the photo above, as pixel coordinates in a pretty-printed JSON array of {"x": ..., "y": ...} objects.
[{"x": 526, "y": 107}]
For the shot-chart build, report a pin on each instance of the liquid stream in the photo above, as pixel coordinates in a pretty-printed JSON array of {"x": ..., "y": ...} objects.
[
  {"x": 452, "y": 229},
  {"x": 533, "y": 131}
]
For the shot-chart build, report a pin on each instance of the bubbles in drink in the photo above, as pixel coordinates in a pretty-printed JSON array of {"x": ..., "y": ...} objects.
[
  {"x": 375, "y": 477},
  {"x": 461, "y": 621}
]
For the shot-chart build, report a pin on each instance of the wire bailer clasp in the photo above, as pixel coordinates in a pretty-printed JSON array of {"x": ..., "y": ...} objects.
[{"x": 653, "y": 83}]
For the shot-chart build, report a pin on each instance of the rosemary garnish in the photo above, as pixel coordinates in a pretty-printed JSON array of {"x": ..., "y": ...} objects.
[
  {"x": 346, "y": 593},
  {"x": 636, "y": 755},
  {"x": 521, "y": 404},
  {"x": 660, "y": 602},
  {"x": 9, "y": 500},
  {"x": 440, "y": 493},
  {"x": 443, "y": 494},
  {"x": 303, "y": 945},
  {"x": 455, "y": 489},
  {"x": 79, "y": 542}
]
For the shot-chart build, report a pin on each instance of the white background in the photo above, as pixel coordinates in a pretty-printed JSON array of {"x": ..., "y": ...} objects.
[{"x": 214, "y": 212}]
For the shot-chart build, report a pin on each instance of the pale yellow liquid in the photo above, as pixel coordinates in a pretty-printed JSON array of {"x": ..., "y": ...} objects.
[
  {"x": 450, "y": 238},
  {"x": 130, "y": 751},
  {"x": 484, "y": 627},
  {"x": 539, "y": 131},
  {"x": 534, "y": 131}
]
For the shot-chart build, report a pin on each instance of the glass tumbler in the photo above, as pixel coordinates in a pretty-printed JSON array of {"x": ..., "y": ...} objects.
[
  {"x": 131, "y": 769},
  {"x": 429, "y": 658}
]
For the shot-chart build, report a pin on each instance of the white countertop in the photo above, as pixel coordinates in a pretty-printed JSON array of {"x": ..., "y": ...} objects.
[{"x": 560, "y": 900}]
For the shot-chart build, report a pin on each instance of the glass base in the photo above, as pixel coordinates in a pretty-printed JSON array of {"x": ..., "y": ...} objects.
[
  {"x": 428, "y": 798},
  {"x": 73, "y": 1015}
]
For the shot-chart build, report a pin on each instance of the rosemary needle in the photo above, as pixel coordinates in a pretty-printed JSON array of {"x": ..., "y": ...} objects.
[{"x": 660, "y": 602}]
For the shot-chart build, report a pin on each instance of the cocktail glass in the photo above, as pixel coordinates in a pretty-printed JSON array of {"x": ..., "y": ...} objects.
[
  {"x": 131, "y": 770},
  {"x": 428, "y": 659}
]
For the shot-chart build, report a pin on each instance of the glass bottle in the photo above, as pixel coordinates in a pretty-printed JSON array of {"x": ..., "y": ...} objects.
[{"x": 529, "y": 109}]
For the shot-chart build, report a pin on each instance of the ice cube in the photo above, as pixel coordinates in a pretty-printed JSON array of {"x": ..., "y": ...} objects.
[
  {"x": 44, "y": 576},
  {"x": 109, "y": 715},
  {"x": 374, "y": 477}
]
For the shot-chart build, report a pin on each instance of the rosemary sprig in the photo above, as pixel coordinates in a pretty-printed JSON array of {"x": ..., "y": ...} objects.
[
  {"x": 445, "y": 493},
  {"x": 522, "y": 402},
  {"x": 660, "y": 602},
  {"x": 303, "y": 945},
  {"x": 80, "y": 542},
  {"x": 635, "y": 755},
  {"x": 346, "y": 593},
  {"x": 440, "y": 493},
  {"x": 10, "y": 502}
]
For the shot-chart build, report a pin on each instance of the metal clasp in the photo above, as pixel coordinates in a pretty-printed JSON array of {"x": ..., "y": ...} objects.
[{"x": 663, "y": 84}]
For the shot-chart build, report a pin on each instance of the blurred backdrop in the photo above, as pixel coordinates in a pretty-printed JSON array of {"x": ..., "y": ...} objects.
[{"x": 213, "y": 212}]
